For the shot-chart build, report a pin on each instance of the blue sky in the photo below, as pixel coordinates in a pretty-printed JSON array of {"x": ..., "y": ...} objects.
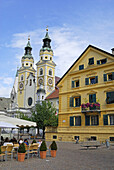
[{"x": 73, "y": 25}]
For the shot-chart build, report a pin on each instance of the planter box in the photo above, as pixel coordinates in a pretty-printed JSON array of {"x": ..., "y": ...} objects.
[
  {"x": 42, "y": 154},
  {"x": 53, "y": 153},
  {"x": 21, "y": 157}
]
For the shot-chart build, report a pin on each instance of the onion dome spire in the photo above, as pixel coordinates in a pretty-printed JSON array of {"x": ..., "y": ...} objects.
[
  {"x": 28, "y": 49},
  {"x": 46, "y": 40}
]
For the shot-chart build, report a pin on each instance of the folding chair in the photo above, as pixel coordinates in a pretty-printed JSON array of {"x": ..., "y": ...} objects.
[
  {"x": 3, "y": 150},
  {"x": 9, "y": 151}
]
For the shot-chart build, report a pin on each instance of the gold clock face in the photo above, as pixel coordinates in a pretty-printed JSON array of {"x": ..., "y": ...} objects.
[
  {"x": 50, "y": 81},
  {"x": 20, "y": 86},
  {"x": 40, "y": 81}
]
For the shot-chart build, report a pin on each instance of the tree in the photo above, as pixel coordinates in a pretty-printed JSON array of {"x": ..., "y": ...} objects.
[{"x": 44, "y": 115}]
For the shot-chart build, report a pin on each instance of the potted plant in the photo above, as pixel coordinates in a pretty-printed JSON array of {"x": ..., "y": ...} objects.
[
  {"x": 21, "y": 152},
  {"x": 53, "y": 149},
  {"x": 43, "y": 149}
]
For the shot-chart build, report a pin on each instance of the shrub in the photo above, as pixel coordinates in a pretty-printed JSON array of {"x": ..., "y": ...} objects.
[
  {"x": 22, "y": 148},
  {"x": 34, "y": 141},
  {"x": 43, "y": 146},
  {"x": 53, "y": 146},
  {"x": 0, "y": 150}
]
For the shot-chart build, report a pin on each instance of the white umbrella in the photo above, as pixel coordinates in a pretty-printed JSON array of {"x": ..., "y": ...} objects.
[{"x": 6, "y": 125}]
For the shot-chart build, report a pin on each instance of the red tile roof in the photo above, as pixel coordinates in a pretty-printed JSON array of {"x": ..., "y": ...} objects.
[{"x": 54, "y": 94}]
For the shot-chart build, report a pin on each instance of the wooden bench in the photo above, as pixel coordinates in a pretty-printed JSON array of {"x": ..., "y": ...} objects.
[{"x": 89, "y": 144}]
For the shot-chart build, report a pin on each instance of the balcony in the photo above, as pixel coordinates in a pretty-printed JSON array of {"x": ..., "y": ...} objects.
[{"x": 90, "y": 107}]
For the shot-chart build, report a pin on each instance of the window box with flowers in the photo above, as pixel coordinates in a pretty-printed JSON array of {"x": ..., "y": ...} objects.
[{"x": 90, "y": 106}]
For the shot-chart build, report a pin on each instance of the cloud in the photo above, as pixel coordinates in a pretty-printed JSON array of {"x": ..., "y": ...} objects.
[
  {"x": 5, "y": 91},
  {"x": 66, "y": 45},
  {"x": 6, "y": 80}
]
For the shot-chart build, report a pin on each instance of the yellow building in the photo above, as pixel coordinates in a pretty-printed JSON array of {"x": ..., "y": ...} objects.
[{"x": 86, "y": 99}]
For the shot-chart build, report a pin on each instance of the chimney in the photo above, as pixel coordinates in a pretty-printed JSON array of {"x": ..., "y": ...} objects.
[{"x": 112, "y": 51}]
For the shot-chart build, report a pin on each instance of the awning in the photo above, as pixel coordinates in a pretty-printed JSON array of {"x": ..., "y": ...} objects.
[
  {"x": 7, "y": 125},
  {"x": 17, "y": 122}
]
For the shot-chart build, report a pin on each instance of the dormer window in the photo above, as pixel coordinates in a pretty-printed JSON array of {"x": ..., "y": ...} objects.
[
  {"x": 81, "y": 67},
  {"x": 103, "y": 61},
  {"x": 41, "y": 71},
  {"x": 91, "y": 61}
]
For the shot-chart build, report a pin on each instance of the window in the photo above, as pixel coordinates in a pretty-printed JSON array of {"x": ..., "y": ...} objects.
[
  {"x": 78, "y": 121},
  {"x": 31, "y": 65},
  {"x": 95, "y": 120},
  {"x": 91, "y": 61},
  {"x": 54, "y": 137},
  {"x": 81, "y": 67},
  {"x": 30, "y": 82},
  {"x": 109, "y": 76},
  {"x": 23, "y": 65},
  {"x": 75, "y": 120},
  {"x": 46, "y": 57},
  {"x": 50, "y": 58},
  {"x": 92, "y": 98},
  {"x": 29, "y": 101},
  {"x": 93, "y": 138},
  {"x": 87, "y": 120},
  {"x": 103, "y": 61},
  {"x": 110, "y": 97},
  {"x": 75, "y": 101},
  {"x": 111, "y": 138},
  {"x": 75, "y": 84},
  {"x": 50, "y": 72},
  {"x": 111, "y": 119},
  {"x": 105, "y": 119},
  {"x": 91, "y": 80},
  {"x": 41, "y": 71},
  {"x": 26, "y": 64},
  {"x": 42, "y": 97},
  {"x": 21, "y": 77},
  {"x": 75, "y": 137},
  {"x": 41, "y": 58}
]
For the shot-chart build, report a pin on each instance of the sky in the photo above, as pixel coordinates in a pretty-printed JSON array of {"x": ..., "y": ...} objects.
[{"x": 72, "y": 24}]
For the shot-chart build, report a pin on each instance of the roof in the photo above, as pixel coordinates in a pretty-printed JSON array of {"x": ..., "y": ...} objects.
[
  {"x": 54, "y": 94},
  {"x": 90, "y": 46},
  {"x": 57, "y": 79}
]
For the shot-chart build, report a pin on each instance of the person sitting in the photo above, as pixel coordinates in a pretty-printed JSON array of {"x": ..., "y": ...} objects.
[
  {"x": 7, "y": 142},
  {"x": 20, "y": 141},
  {"x": 39, "y": 142},
  {"x": 26, "y": 142}
]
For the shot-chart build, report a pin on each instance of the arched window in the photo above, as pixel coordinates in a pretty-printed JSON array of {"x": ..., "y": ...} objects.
[
  {"x": 21, "y": 77},
  {"x": 41, "y": 71},
  {"x": 30, "y": 82},
  {"x": 29, "y": 101},
  {"x": 50, "y": 72}
]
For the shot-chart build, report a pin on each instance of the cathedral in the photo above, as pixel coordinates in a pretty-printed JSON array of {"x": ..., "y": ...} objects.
[{"x": 33, "y": 85}]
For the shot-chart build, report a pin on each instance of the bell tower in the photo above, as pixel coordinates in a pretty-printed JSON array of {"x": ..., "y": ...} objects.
[
  {"x": 26, "y": 79},
  {"x": 46, "y": 67}
]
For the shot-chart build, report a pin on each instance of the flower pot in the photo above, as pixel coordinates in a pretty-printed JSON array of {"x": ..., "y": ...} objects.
[
  {"x": 21, "y": 157},
  {"x": 53, "y": 153},
  {"x": 42, "y": 154}
]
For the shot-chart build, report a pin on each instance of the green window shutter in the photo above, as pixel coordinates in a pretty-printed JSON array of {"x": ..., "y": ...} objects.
[
  {"x": 105, "y": 77},
  {"x": 71, "y": 102},
  {"x": 79, "y": 100},
  {"x": 90, "y": 98},
  {"x": 71, "y": 121},
  {"x": 98, "y": 61},
  {"x": 105, "y": 119},
  {"x": 79, "y": 120},
  {"x": 87, "y": 120},
  {"x": 97, "y": 120},
  {"x": 112, "y": 75},
  {"x": 73, "y": 84},
  {"x": 96, "y": 79},
  {"x": 94, "y": 98},
  {"x": 86, "y": 81}
]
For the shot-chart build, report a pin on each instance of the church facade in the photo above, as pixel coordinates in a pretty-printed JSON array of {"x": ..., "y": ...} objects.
[{"x": 30, "y": 85}]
